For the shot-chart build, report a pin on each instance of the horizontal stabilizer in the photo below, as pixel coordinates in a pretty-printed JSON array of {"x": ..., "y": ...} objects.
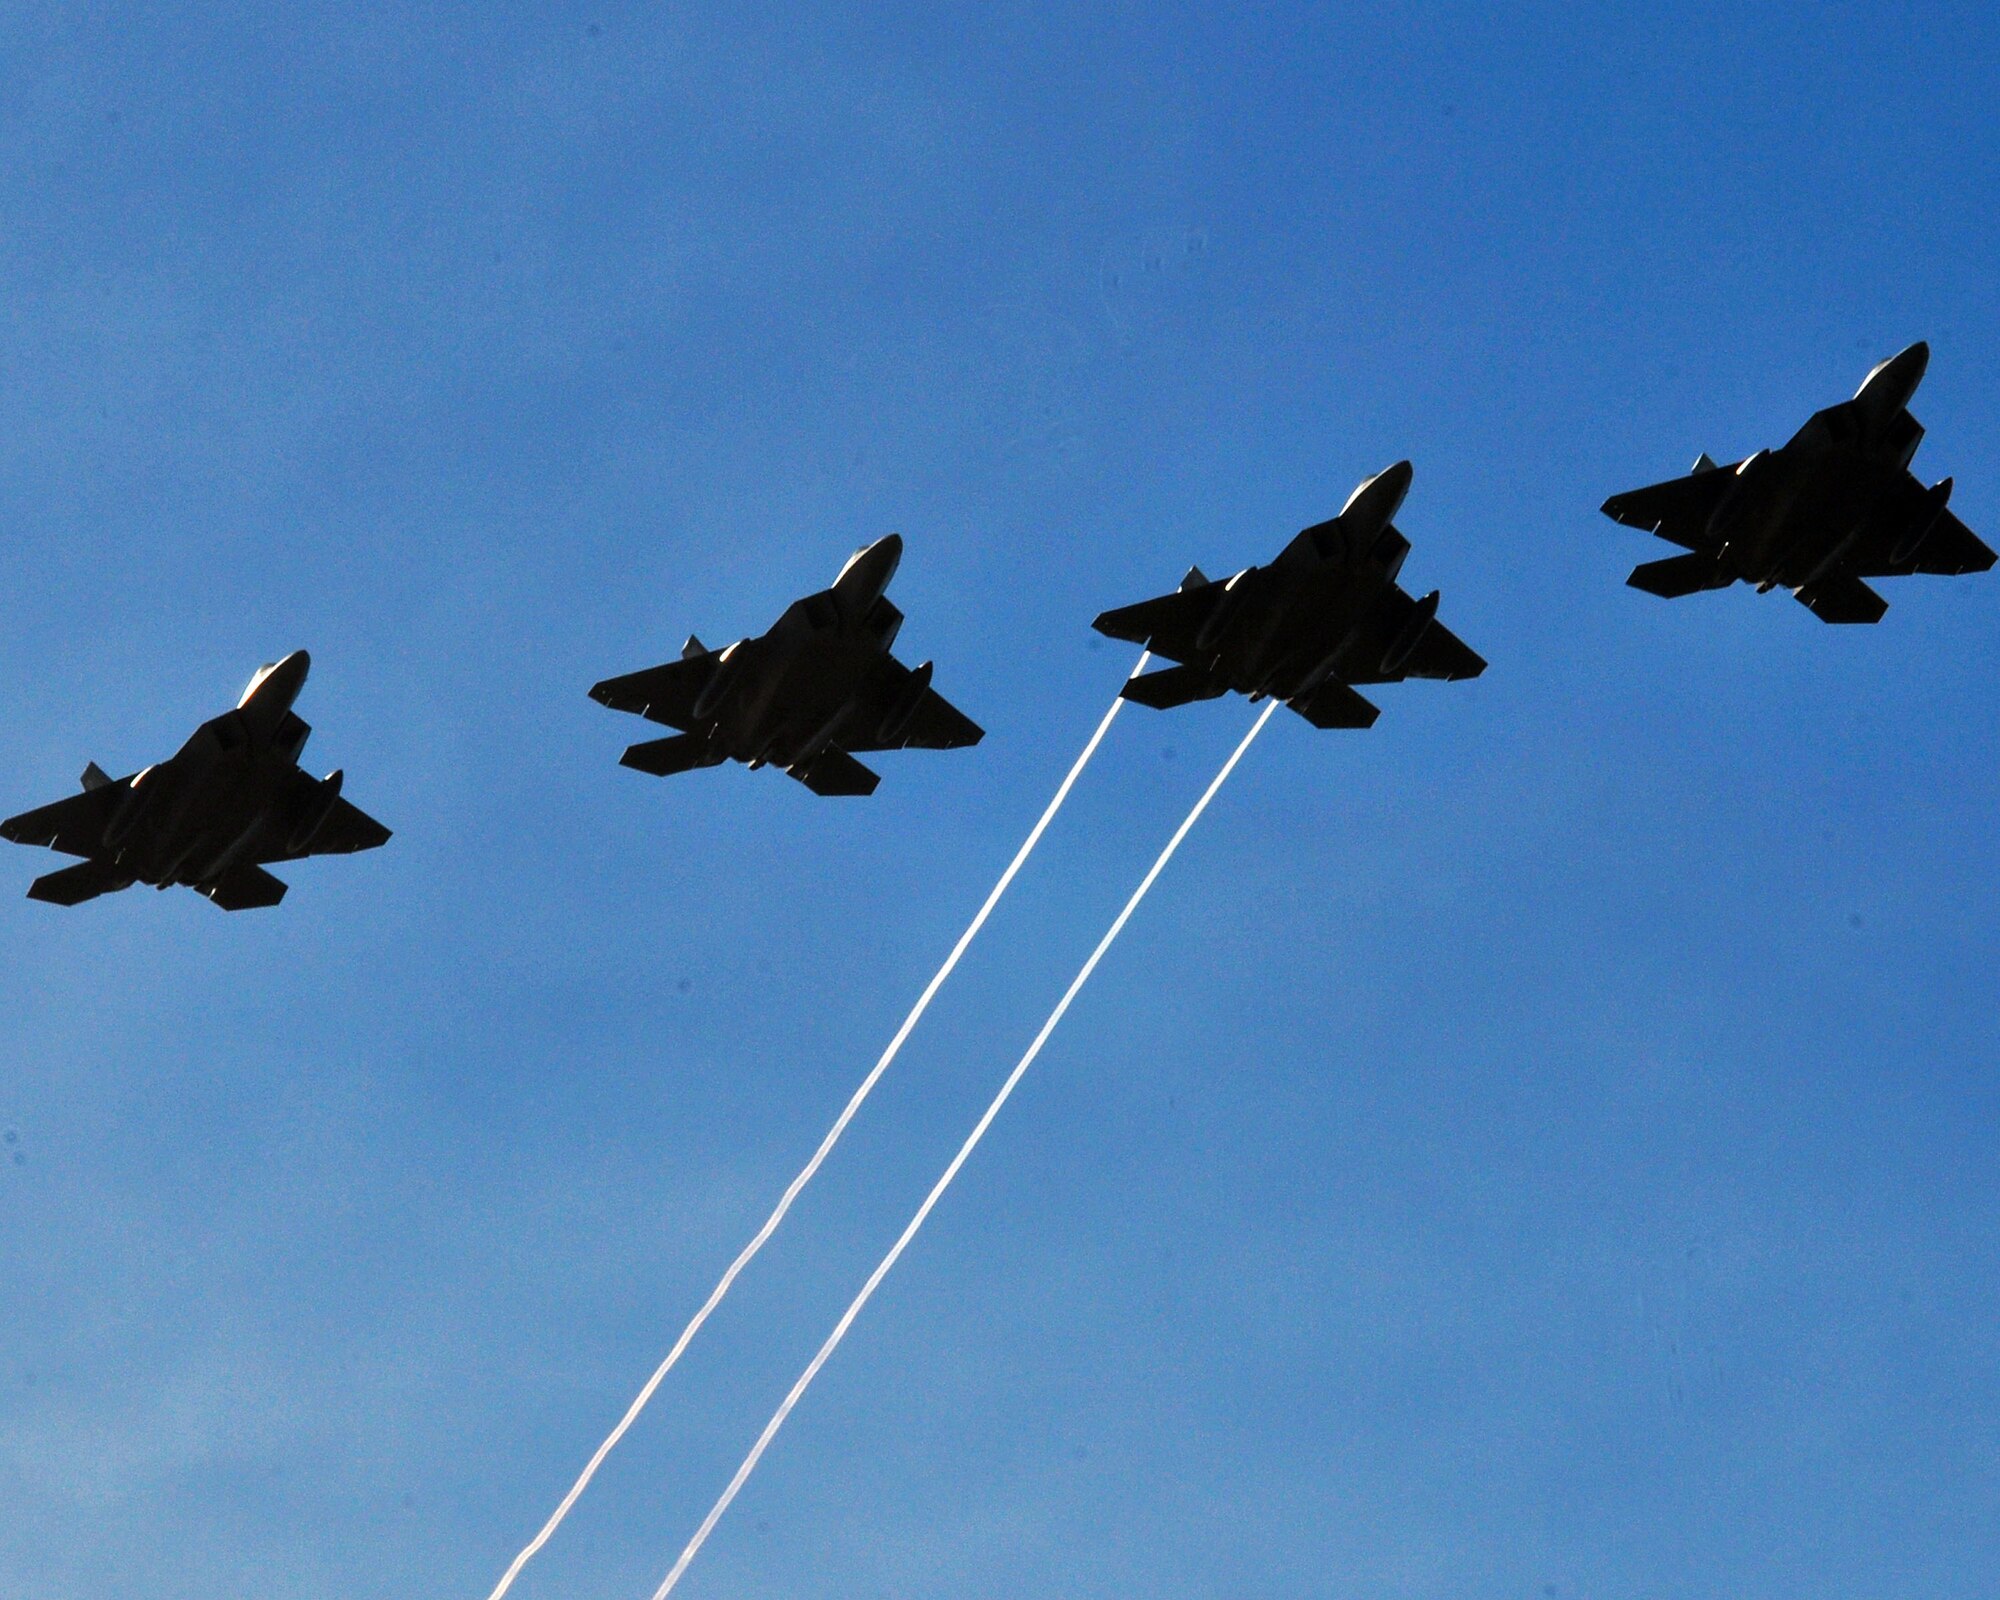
[
  {"x": 1840, "y": 597},
  {"x": 694, "y": 647},
  {"x": 1195, "y": 579},
  {"x": 244, "y": 888},
  {"x": 665, "y": 757},
  {"x": 1680, "y": 575},
  {"x": 833, "y": 771},
  {"x": 1334, "y": 705},
  {"x": 1703, "y": 463},
  {"x": 95, "y": 777},
  {"x": 1174, "y": 686},
  {"x": 74, "y": 885}
]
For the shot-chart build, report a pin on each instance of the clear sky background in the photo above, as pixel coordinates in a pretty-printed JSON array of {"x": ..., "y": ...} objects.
[{"x": 1541, "y": 1147}]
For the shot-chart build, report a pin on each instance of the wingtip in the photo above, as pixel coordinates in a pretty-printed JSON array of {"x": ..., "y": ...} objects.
[{"x": 1107, "y": 623}]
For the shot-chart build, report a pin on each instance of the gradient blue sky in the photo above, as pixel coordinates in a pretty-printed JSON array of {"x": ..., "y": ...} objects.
[{"x": 1543, "y": 1147}]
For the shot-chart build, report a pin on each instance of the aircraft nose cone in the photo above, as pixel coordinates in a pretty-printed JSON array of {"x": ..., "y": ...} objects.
[
  {"x": 1378, "y": 499},
  {"x": 883, "y": 557},
  {"x": 1908, "y": 365},
  {"x": 1891, "y": 384},
  {"x": 279, "y": 683},
  {"x": 287, "y": 678},
  {"x": 868, "y": 572}
]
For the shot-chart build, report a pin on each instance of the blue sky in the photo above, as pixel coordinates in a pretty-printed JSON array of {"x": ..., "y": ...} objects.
[{"x": 1540, "y": 1147}]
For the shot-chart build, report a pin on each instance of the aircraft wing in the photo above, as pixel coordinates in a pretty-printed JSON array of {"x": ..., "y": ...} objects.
[
  {"x": 1436, "y": 652},
  {"x": 1167, "y": 624},
  {"x": 1440, "y": 653},
  {"x": 1950, "y": 548},
  {"x": 934, "y": 723},
  {"x": 74, "y": 825},
  {"x": 347, "y": 829},
  {"x": 937, "y": 724},
  {"x": 665, "y": 694},
  {"x": 1677, "y": 510}
]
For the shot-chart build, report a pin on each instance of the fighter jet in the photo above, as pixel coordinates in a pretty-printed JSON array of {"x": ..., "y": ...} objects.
[
  {"x": 818, "y": 686},
  {"x": 1324, "y": 616},
  {"x": 208, "y": 817},
  {"x": 1817, "y": 515}
]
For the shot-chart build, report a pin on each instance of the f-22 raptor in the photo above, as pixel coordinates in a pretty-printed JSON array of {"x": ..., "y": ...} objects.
[
  {"x": 1324, "y": 616},
  {"x": 1835, "y": 505},
  {"x": 820, "y": 685},
  {"x": 210, "y": 816}
]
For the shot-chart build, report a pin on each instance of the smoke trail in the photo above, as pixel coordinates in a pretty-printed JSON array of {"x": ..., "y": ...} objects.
[
  {"x": 937, "y": 1190},
  {"x": 763, "y": 1234}
]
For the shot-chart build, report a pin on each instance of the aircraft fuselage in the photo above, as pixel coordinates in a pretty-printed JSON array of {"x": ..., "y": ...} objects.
[
  {"x": 212, "y": 803},
  {"x": 1287, "y": 623},
  {"x": 797, "y": 690},
  {"x": 1794, "y": 512}
]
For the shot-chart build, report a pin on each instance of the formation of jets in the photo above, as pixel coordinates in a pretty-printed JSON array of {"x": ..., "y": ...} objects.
[{"x": 1831, "y": 508}]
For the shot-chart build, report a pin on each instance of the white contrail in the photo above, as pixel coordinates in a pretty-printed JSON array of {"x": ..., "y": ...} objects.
[
  {"x": 937, "y": 1189},
  {"x": 819, "y": 1156}
]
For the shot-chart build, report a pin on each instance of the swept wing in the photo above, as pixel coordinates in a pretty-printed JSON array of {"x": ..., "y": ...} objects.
[
  {"x": 1168, "y": 624},
  {"x": 931, "y": 723},
  {"x": 74, "y": 825},
  {"x": 1677, "y": 510},
  {"x": 1401, "y": 643},
  {"x": 1948, "y": 549},
  {"x": 346, "y": 828},
  {"x": 664, "y": 694}
]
